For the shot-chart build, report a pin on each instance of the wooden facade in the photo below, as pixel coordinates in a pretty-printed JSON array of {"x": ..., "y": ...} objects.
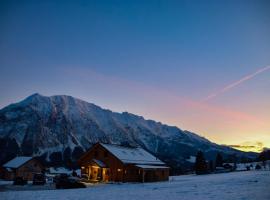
[
  {"x": 100, "y": 164},
  {"x": 26, "y": 170}
]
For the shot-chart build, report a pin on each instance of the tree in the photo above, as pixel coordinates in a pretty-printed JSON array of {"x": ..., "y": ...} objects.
[
  {"x": 219, "y": 160},
  {"x": 211, "y": 166},
  {"x": 200, "y": 164},
  {"x": 264, "y": 155},
  {"x": 76, "y": 154},
  {"x": 9, "y": 149},
  {"x": 56, "y": 159},
  {"x": 67, "y": 157}
]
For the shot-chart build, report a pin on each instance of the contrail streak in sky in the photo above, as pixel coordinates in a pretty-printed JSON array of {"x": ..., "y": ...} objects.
[{"x": 236, "y": 83}]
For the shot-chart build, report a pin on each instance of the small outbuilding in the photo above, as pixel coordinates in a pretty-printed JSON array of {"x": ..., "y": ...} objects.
[
  {"x": 22, "y": 166},
  {"x": 107, "y": 162}
]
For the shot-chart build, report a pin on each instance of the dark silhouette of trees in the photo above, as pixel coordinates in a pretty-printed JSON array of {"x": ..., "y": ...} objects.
[
  {"x": 67, "y": 158},
  {"x": 77, "y": 153},
  {"x": 200, "y": 165},
  {"x": 56, "y": 159},
  {"x": 219, "y": 160},
  {"x": 211, "y": 166},
  {"x": 264, "y": 155},
  {"x": 9, "y": 149}
]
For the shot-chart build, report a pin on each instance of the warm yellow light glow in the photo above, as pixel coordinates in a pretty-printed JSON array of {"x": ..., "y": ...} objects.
[
  {"x": 83, "y": 167},
  {"x": 250, "y": 146},
  {"x": 119, "y": 170}
]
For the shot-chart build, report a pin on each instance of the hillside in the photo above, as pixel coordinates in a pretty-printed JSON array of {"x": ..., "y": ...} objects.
[{"x": 63, "y": 126}]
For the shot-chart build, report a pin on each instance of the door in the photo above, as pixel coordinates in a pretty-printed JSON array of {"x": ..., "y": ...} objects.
[{"x": 94, "y": 173}]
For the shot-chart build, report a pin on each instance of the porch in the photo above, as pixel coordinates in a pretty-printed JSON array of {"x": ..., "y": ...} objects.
[{"x": 95, "y": 171}]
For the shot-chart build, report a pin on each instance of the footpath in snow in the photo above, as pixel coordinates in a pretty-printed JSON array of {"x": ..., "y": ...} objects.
[{"x": 228, "y": 186}]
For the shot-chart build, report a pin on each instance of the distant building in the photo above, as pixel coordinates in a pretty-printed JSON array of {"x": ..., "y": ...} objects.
[
  {"x": 106, "y": 162},
  {"x": 24, "y": 167}
]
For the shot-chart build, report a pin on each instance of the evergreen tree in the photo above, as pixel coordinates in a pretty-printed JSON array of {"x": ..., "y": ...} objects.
[
  {"x": 219, "y": 160},
  {"x": 77, "y": 153},
  {"x": 211, "y": 166},
  {"x": 200, "y": 165},
  {"x": 56, "y": 159},
  {"x": 264, "y": 155},
  {"x": 67, "y": 158}
]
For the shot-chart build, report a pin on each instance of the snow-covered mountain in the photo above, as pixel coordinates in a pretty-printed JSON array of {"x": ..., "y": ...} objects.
[{"x": 41, "y": 125}]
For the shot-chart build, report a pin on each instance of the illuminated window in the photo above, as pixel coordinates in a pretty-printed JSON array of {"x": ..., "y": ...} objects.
[{"x": 119, "y": 170}]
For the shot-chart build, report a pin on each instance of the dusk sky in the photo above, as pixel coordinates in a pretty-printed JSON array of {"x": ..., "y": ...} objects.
[{"x": 203, "y": 66}]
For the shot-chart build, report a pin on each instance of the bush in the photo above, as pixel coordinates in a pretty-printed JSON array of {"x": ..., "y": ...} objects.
[{"x": 258, "y": 167}]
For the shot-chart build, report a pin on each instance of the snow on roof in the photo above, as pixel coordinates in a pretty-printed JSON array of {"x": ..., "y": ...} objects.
[
  {"x": 60, "y": 170},
  {"x": 99, "y": 163},
  {"x": 151, "y": 167},
  {"x": 17, "y": 162},
  {"x": 9, "y": 169},
  {"x": 132, "y": 155}
]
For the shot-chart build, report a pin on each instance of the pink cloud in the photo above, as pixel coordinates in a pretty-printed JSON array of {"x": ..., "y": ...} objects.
[{"x": 162, "y": 98}]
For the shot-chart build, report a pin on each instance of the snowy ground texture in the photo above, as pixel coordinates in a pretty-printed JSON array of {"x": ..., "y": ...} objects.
[{"x": 232, "y": 186}]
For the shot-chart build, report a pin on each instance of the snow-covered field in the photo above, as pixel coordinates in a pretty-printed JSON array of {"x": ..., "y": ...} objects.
[{"x": 253, "y": 185}]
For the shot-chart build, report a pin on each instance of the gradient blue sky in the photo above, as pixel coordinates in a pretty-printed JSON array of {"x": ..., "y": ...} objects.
[{"x": 158, "y": 59}]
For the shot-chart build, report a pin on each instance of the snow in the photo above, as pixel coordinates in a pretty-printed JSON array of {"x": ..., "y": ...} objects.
[
  {"x": 252, "y": 165},
  {"x": 88, "y": 124},
  {"x": 4, "y": 182},
  {"x": 247, "y": 185},
  {"x": 99, "y": 163},
  {"x": 132, "y": 155},
  {"x": 151, "y": 167},
  {"x": 191, "y": 159},
  {"x": 17, "y": 162},
  {"x": 60, "y": 170}
]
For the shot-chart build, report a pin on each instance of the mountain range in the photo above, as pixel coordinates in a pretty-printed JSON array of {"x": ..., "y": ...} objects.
[{"x": 60, "y": 128}]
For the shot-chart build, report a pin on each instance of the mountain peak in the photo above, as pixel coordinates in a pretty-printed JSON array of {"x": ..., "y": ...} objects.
[
  {"x": 34, "y": 95},
  {"x": 33, "y": 98},
  {"x": 41, "y": 124}
]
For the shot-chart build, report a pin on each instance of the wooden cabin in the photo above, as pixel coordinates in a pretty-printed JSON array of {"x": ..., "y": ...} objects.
[
  {"x": 106, "y": 162},
  {"x": 24, "y": 167}
]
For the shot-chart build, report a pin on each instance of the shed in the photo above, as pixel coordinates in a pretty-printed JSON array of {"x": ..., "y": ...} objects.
[{"x": 21, "y": 166}]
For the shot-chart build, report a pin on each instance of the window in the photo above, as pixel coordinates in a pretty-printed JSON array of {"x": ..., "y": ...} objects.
[
  {"x": 105, "y": 154},
  {"x": 163, "y": 173},
  {"x": 96, "y": 154}
]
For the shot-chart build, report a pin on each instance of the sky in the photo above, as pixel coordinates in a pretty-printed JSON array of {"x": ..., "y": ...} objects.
[{"x": 203, "y": 66}]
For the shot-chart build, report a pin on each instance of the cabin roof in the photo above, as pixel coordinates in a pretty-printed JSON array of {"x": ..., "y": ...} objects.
[
  {"x": 99, "y": 163},
  {"x": 130, "y": 155},
  {"x": 17, "y": 162},
  {"x": 151, "y": 167}
]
